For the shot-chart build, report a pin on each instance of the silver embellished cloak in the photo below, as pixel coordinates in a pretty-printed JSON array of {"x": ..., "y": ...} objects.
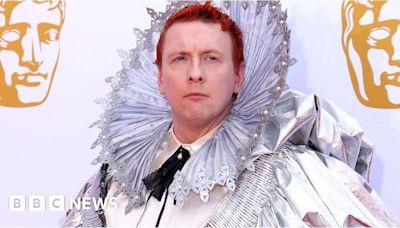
[{"x": 288, "y": 159}]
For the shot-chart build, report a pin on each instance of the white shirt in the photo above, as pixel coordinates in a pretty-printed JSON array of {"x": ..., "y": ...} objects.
[{"x": 195, "y": 213}]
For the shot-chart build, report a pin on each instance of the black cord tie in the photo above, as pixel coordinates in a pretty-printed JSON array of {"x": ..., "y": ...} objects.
[{"x": 158, "y": 181}]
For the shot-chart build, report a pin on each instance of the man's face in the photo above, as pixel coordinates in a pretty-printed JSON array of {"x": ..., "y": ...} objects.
[
  {"x": 197, "y": 75},
  {"x": 376, "y": 40},
  {"x": 29, "y": 49}
]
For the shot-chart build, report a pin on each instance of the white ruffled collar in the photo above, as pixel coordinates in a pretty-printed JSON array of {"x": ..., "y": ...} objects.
[
  {"x": 137, "y": 118},
  {"x": 194, "y": 146},
  {"x": 171, "y": 143}
]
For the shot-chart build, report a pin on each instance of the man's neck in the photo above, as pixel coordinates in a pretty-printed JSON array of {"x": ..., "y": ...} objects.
[{"x": 188, "y": 134}]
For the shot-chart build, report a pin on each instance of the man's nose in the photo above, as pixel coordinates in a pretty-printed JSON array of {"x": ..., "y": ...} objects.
[
  {"x": 31, "y": 48},
  {"x": 195, "y": 73}
]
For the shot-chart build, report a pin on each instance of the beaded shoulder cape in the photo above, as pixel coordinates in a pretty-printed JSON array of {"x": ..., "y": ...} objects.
[{"x": 137, "y": 118}]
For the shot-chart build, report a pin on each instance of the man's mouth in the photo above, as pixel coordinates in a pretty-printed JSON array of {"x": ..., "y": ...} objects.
[
  {"x": 29, "y": 79},
  {"x": 392, "y": 79},
  {"x": 195, "y": 95}
]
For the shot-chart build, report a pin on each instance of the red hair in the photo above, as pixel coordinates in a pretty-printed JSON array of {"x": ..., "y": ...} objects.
[{"x": 206, "y": 13}]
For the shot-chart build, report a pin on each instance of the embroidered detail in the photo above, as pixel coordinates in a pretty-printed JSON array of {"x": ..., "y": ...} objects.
[
  {"x": 244, "y": 161},
  {"x": 179, "y": 188},
  {"x": 226, "y": 176}
]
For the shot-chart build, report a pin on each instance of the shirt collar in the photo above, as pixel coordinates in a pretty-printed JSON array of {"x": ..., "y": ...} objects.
[{"x": 194, "y": 146}]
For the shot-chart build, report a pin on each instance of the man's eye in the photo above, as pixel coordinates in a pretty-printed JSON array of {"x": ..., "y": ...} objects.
[
  {"x": 11, "y": 35},
  {"x": 50, "y": 35},
  {"x": 180, "y": 58},
  {"x": 210, "y": 58}
]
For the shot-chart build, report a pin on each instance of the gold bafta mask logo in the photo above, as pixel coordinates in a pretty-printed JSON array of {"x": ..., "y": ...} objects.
[
  {"x": 29, "y": 50},
  {"x": 371, "y": 42}
]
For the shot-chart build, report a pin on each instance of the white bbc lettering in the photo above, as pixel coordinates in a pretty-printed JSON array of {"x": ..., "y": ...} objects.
[
  {"x": 56, "y": 203},
  {"x": 86, "y": 205},
  {"x": 100, "y": 203},
  {"x": 16, "y": 203},
  {"x": 37, "y": 203},
  {"x": 112, "y": 203},
  {"x": 75, "y": 203}
]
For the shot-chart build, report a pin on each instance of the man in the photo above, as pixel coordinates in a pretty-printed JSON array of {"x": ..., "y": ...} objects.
[
  {"x": 225, "y": 146},
  {"x": 29, "y": 50},
  {"x": 371, "y": 43}
]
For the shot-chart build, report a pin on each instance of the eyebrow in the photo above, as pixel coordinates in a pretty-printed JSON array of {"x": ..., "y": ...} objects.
[{"x": 207, "y": 51}]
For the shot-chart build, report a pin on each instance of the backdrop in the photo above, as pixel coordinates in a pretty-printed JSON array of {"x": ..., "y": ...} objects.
[{"x": 44, "y": 136}]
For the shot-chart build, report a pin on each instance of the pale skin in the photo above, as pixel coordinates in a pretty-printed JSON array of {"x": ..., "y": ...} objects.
[{"x": 197, "y": 77}]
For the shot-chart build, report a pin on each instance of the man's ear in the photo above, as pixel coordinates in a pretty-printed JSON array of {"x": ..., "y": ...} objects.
[
  {"x": 160, "y": 82},
  {"x": 239, "y": 79}
]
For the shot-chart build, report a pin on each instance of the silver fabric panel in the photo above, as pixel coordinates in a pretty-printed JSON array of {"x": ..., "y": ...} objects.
[
  {"x": 241, "y": 208},
  {"x": 298, "y": 187},
  {"x": 89, "y": 217},
  {"x": 319, "y": 124}
]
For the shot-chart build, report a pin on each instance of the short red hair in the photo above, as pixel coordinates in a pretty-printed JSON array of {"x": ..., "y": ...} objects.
[{"x": 206, "y": 13}]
